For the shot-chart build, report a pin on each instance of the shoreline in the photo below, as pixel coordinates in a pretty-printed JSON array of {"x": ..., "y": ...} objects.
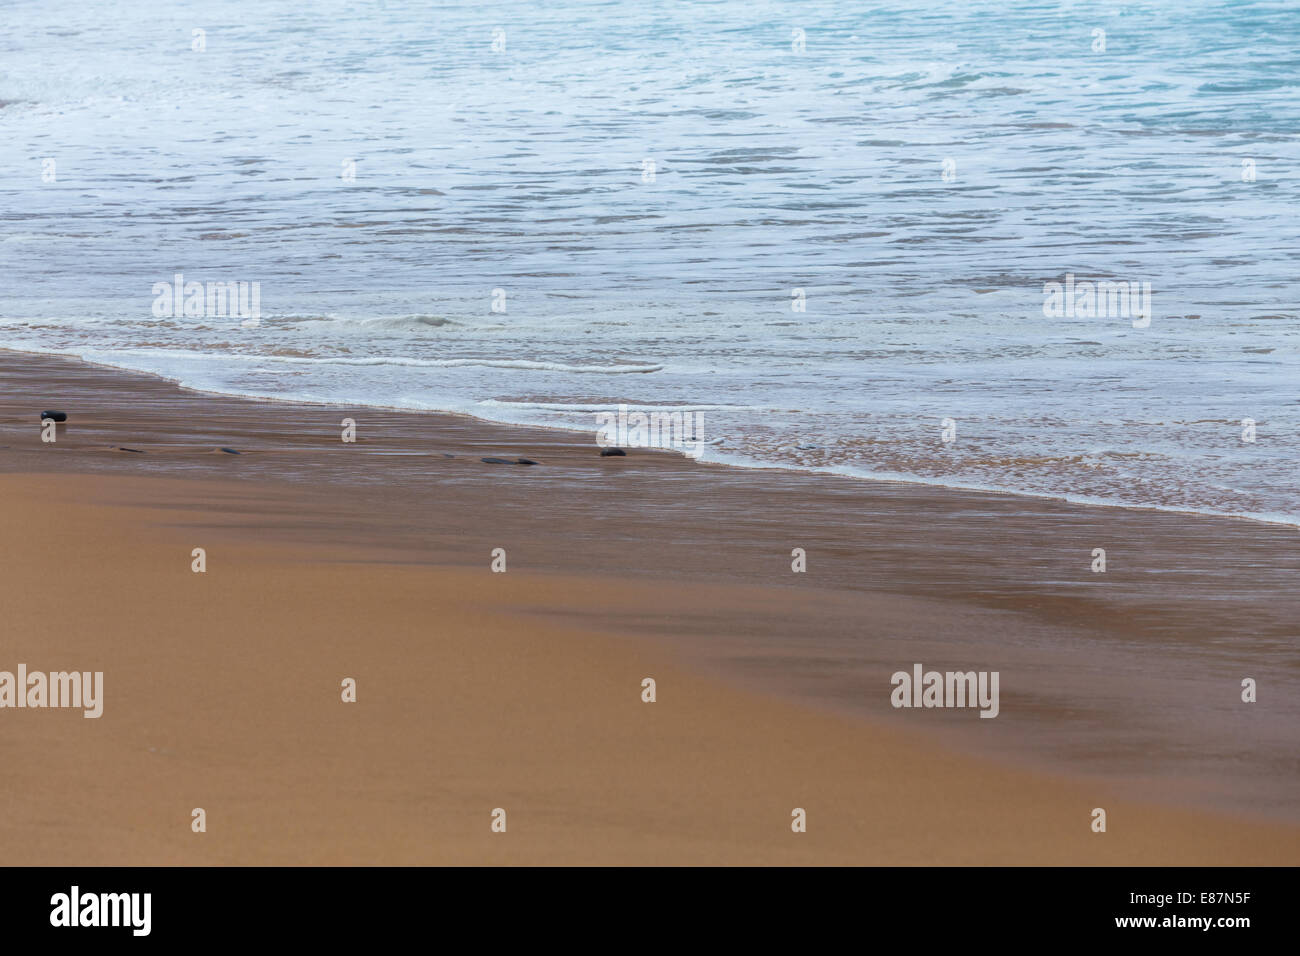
[
  {"x": 1116, "y": 691},
  {"x": 834, "y": 471}
]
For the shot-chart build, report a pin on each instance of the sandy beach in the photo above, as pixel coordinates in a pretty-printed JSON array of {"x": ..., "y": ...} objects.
[{"x": 478, "y": 690}]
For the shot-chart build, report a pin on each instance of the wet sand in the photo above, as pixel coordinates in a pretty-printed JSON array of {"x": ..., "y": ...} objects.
[{"x": 522, "y": 690}]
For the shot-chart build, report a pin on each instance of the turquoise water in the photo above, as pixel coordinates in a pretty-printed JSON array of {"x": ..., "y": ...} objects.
[{"x": 918, "y": 171}]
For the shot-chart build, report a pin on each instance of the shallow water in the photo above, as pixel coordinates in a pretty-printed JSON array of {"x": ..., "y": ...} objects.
[{"x": 823, "y": 169}]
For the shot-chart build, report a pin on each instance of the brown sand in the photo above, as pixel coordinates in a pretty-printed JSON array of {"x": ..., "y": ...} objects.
[{"x": 522, "y": 690}]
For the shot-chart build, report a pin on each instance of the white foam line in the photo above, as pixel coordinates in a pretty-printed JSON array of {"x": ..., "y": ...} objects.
[
  {"x": 607, "y": 406},
  {"x": 736, "y": 460},
  {"x": 378, "y": 361}
]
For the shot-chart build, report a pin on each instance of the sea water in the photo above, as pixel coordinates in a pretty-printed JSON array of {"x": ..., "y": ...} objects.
[{"x": 825, "y": 229}]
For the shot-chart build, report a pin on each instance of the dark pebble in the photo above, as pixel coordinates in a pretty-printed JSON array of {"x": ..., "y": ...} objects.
[
  {"x": 124, "y": 448},
  {"x": 525, "y": 461},
  {"x": 57, "y": 416},
  {"x": 231, "y": 451},
  {"x": 497, "y": 461},
  {"x": 612, "y": 452}
]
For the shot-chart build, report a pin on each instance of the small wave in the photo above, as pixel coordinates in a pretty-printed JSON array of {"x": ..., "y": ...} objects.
[
  {"x": 408, "y": 321},
  {"x": 415, "y": 320},
  {"x": 524, "y": 364},
  {"x": 606, "y": 406}
]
